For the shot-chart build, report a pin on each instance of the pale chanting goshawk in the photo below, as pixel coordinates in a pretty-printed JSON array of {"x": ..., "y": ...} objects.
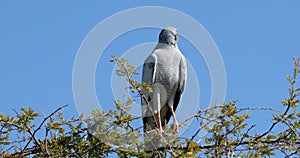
[{"x": 165, "y": 71}]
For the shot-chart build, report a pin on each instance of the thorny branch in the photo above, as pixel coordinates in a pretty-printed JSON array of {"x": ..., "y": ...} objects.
[
  {"x": 132, "y": 84},
  {"x": 38, "y": 128},
  {"x": 231, "y": 138}
]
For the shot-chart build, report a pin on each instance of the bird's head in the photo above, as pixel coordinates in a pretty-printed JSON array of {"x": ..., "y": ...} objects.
[{"x": 168, "y": 35}]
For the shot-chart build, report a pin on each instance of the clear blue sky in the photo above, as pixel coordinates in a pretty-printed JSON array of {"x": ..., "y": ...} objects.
[{"x": 39, "y": 42}]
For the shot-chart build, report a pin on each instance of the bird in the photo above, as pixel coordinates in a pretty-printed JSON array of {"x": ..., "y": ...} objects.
[{"x": 165, "y": 72}]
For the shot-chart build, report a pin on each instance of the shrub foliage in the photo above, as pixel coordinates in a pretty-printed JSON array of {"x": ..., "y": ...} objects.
[{"x": 229, "y": 132}]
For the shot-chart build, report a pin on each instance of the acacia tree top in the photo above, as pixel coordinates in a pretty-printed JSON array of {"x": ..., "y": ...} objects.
[{"x": 29, "y": 133}]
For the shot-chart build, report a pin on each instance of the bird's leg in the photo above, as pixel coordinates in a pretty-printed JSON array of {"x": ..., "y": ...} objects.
[
  {"x": 157, "y": 103},
  {"x": 175, "y": 125},
  {"x": 160, "y": 129}
]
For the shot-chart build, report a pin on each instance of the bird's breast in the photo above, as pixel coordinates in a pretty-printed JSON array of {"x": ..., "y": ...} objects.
[{"x": 166, "y": 75}]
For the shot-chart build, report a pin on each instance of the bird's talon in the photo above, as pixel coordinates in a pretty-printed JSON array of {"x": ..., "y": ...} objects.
[
  {"x": 161, "y": 131},
  {"x": 175, "y": 127}
]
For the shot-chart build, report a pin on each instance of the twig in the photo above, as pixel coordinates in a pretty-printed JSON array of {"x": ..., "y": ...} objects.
[
  {"x": 242, "y": 139},
  {"x": 291, "y": 126},
  {"x": 39, "y": 127},
  {"x": 258, "y": 108},
  {"x": 128, "y": 78},
  {"x": 32, "y": 136},
  {"x": 198, "y": 115},
  {"x": 46, "y": 143}
]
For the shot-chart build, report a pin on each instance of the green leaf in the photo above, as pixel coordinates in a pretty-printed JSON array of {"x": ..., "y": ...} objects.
[
  {"x": 207, "y": 141},
  {"x": 289, "y": 79},
  {"x": 291, "y": 116},
  {"x": 284, "y": 102},
  {"x": 297, "y": 113},
  {"x": 271, "y": 136},
  {"x": 120, "y": 73}
]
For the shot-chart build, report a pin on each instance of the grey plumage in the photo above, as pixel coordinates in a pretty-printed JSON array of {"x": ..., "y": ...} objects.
[{"x": 165, "y": 72}]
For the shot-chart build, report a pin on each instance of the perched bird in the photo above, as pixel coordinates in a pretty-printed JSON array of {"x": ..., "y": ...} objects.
[{"x": 165, "y": 71}]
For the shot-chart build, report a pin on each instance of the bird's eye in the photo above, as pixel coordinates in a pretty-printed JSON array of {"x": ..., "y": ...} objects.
[{"x": 176, "y": 37}]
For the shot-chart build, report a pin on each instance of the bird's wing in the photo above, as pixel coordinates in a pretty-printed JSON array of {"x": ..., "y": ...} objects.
[
  {"x": 148, "y": 77},
  {"x": 149, "y": 69},
  {"x": 182, "y": 75}
]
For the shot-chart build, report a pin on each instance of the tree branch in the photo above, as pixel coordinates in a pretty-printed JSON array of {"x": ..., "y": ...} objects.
[{"x": 39, "y": 127}]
